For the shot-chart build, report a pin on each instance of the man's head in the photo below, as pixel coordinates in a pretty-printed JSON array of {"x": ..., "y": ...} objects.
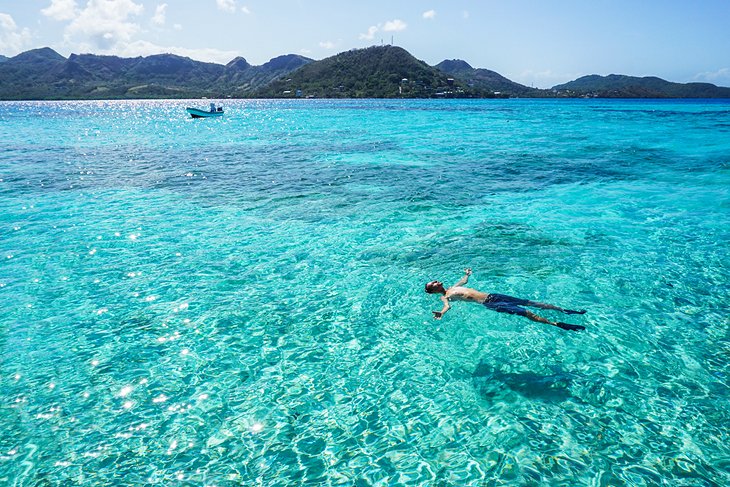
[{"x": 435, "y": 287}]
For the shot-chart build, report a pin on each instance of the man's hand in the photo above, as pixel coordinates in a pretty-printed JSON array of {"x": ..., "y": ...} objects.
[
  {"x": 437, "y": 314},
  {"x": 467, "y": 271}
]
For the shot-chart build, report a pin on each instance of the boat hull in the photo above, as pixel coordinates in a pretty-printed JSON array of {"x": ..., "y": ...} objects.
[{"x": 197, "y": 113}]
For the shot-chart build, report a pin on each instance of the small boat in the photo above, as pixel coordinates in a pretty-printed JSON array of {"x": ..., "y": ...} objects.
[{"x": 198, "y": 113}]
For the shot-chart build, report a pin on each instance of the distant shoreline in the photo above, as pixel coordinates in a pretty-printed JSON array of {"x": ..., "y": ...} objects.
[
  {"x": 205, "y": 101},
  {"x": 378, "y": 72}
]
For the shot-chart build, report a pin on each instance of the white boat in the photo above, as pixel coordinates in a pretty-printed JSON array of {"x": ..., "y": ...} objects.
[{"x": 212, "y": 112}]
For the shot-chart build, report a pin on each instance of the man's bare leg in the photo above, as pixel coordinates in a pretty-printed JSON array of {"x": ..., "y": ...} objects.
[
  {"x": 535, "y": 304},
  {"x": 559, "y": 324}
]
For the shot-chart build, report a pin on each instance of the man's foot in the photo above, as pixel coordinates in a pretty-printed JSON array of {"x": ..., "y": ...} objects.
[
  {"x": 573, "y": 312},
  {"x": 568, "y": 326}
]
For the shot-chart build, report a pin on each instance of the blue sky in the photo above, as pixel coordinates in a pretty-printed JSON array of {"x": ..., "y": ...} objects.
[{"x": 539, "y": 43}]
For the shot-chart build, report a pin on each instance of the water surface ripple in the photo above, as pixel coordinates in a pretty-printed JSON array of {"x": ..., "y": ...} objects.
[{"x": 240, "y": 301}]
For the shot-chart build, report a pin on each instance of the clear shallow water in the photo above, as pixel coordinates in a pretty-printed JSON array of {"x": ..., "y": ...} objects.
[{"x": 240, "y": 301}]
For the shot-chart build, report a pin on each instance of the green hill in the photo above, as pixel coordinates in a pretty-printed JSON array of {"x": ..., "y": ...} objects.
[
  {"x": 241, "y": 79},
  {"x": 621, "y": 86},
  {"x": 374, "y": 72},
  {"x": 487, "y": 80},
  {"x": 29, "y": 74},
  {"x": 43, "y": 74}
]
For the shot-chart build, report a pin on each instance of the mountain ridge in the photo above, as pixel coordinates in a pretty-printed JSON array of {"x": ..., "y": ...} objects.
[
  {"x": 374, "y": 72},
  {"x": 486, "y": 79},
  {"x": 623, "y": 86},
  {"x": 44, "y": 74}
]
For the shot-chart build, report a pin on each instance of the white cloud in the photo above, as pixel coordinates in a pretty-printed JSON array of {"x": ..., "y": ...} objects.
[
  {"x": 108, "y": 27},
  {"x": 159, "y": 17},
  {"x": 395, "y": 25},
  {"x": 13, "y": 40},
  {"x": 61, "y": 10},
  {"x": 145, "y": 48},
  {"x": 465, "y": 14},
  {"x": 246, "y": 10},
  {"x": 720, "y": 77},
  {"x": 429, "y": 14},
  {"x": 372, "y": 30},
  {"x": 104, "y": 23},
  {"x": 327, "y": 45},
  {"x": 226, "y": 5}
]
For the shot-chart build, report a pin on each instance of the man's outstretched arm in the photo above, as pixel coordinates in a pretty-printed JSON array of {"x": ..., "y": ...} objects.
[
  {"x": 440, "y": 314},
  {"x": 465, "y": 279}
]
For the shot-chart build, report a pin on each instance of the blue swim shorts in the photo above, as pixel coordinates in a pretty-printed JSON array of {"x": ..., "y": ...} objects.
[{"x": 506, "y": 304}]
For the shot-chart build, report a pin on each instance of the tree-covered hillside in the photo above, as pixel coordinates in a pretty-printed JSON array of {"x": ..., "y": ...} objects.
[
  {"x": 621, "y": 86},
  {"x": 487, "y": 80},
  {"x": 43, "y": 74},
  {"x": 374, "y": 72}
]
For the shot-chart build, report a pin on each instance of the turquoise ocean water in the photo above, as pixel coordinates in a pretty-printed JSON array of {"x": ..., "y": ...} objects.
[{"x": 240, "y": 301}]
